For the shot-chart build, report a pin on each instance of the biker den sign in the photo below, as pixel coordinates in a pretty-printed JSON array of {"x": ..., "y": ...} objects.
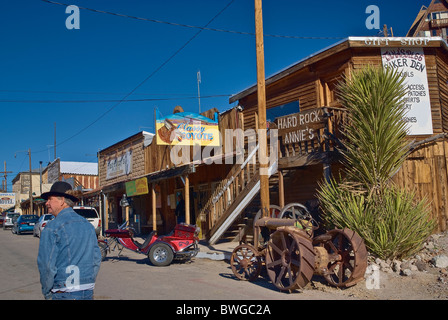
[
  {"x": 410, "y": 63},
  {"x": 301, "y": 126}
]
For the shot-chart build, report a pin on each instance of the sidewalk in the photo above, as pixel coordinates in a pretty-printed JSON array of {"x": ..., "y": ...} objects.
[{"x": 219, "y": 251}]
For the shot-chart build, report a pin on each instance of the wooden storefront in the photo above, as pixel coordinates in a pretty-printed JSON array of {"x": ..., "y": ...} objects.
[
  {"x": 193, "y": 179},
  {"x": 312, "y": 83}
]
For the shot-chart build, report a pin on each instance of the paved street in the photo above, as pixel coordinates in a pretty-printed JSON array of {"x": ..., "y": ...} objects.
[{"x": 130, "y": 277}]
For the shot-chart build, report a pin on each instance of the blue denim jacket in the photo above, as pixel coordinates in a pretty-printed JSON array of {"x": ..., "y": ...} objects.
[{"x": 68, "y": 252}]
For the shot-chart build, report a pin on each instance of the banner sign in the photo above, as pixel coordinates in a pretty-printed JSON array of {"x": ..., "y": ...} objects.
[
  {"x": 137, "y": 187},
  {"x": 186, "y": 128},
  {"x": 119, "y": 166},
  {"x": 301, "y": 126},
  {"x": 7, "y": 200},
  {"x": 410, "y": 62}
]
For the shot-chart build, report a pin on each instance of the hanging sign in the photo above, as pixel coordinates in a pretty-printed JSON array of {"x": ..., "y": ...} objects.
[
  {"x": 137, "y": 187},
  {"x": 7, "y": 200},
  {"x": 410, "y": 62},
  {"x": 186, "y": 128}
]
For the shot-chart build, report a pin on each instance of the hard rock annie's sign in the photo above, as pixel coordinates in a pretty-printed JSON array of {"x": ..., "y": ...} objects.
[
  {"x": 410, "y": 62},
  {"x": 301, "y": 126}
]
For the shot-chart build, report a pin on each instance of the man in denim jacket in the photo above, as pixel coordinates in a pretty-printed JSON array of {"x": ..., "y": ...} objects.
[{"x": 69, "y": 257}]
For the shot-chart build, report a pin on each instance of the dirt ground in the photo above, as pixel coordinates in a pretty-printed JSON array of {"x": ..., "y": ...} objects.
[{"x": 430, "y": 284}]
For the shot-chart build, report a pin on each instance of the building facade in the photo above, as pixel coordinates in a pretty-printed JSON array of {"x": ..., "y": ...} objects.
[{"x": 311, "y": 84}]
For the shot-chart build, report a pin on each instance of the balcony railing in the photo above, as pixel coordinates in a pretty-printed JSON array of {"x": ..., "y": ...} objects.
[{"x": 439, "y": 23}]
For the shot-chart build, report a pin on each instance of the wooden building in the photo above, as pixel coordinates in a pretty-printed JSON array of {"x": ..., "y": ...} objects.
[
  {"x": 82, "y": 176},
  {"x": 307, "y": 152},
  {"x": 221, "y": 188},
  {"x": 431, "y": 21},
  {"x": 140, "y": 160}
]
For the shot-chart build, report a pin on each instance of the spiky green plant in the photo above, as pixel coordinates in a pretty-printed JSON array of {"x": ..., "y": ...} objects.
[
  {"x": 391, "y": 222},
  {"x": 375, "y": 137}
]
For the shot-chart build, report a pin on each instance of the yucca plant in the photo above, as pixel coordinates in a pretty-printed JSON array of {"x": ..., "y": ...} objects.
[
  {"x": 391, "y": 222},
  {"x": 375, "y": 136}
]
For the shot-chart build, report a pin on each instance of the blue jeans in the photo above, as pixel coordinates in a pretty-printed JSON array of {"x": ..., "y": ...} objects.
[{"x": 76, "y": 295}]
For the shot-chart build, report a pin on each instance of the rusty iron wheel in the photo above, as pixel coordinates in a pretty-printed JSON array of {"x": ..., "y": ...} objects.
[
  {"x": 289, "y": 259},
  {"x": 300, "y": 213},
  {"x": 350, "y": 258},
  {"x": 246, "y": 262}
]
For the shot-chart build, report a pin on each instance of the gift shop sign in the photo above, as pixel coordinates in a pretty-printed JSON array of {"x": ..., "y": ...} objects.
[{"x": 410, "y": 63}]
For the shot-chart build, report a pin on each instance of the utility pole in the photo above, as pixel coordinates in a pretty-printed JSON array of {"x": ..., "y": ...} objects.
[
  {"x": 261, "y": 91},
  {"x": 5, "y": 182},
  {"x": 55, "y": 141},
  {"x": 31, "y": 185},
  {"x": 199, "y": 92}
]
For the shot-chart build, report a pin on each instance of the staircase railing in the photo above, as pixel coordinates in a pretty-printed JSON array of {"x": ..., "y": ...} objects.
[{"x": 233, "y": 194}]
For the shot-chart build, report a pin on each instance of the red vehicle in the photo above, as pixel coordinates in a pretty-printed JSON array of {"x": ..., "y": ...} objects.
[{"x": 180, "y": 244}]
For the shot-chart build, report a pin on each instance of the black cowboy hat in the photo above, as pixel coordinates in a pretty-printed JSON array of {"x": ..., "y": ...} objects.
[{"x": 59, "y": 189}]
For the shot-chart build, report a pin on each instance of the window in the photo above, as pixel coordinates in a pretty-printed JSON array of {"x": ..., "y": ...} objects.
[{"x": 284, "y": 109}]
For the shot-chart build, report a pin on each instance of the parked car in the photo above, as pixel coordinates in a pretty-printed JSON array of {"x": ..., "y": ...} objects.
[
  {"x": 91, "y": 215},
  {"x": 24, "y": 223},
  {"x": 41, "y": 223},
  {"x": 8, "y": 222}
]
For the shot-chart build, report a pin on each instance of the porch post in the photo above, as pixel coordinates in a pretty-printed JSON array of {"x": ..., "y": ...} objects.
[
  {"x": 187, "y": 200},
  {"x": 154, "y": 210}
]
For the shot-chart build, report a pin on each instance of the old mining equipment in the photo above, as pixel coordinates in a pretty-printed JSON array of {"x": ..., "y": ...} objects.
[{"x": 292, "y": 255}]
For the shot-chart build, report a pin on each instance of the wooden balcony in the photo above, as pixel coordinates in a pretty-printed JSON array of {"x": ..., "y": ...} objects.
[
  {"x": 310, "y": 142},
  {"x": 439, "y": 23}
]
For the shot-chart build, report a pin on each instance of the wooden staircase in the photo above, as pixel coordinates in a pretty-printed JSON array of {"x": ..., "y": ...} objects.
[{"x": 232, "y": 196}]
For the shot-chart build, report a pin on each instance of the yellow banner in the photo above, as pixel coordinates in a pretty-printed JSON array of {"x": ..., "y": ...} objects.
[
  {"x": 137, "y": 187},
  {"x": 185, "y": 128}
]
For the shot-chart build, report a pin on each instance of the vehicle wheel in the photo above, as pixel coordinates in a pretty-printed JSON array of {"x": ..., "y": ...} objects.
[
  {"x": 289, "y": 259},
  {"x": 103, "y": 249},
  {"x": 246, "y": 262},
  {"x": 160, "y": 255},
  {"x": 351, "y": 263}
]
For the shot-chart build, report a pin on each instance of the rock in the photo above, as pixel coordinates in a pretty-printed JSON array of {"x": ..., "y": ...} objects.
[
  {"x": 429, "y": 245},
  {"x": 405, "y": 265},
  {"x": 440, "y": 261},
  {"x": 421, "y": 266},
  {"x": 396, "y": 265},
  {"x": 406, "y": 272}
]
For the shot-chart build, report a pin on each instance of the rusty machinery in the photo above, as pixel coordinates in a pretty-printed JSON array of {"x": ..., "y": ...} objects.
[{"x": 285, "y": 245}]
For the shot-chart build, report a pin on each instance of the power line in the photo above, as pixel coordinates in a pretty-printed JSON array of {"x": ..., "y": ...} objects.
[
  {"x": 90, "y": 93},
  {"x": 195, "y": 27},
  {"x": 103, "y": 101},
  {"x": 142, "y": 82}
]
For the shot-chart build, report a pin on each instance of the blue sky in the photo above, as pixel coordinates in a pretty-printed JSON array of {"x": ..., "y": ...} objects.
[{"x": 76, "y": 78}]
